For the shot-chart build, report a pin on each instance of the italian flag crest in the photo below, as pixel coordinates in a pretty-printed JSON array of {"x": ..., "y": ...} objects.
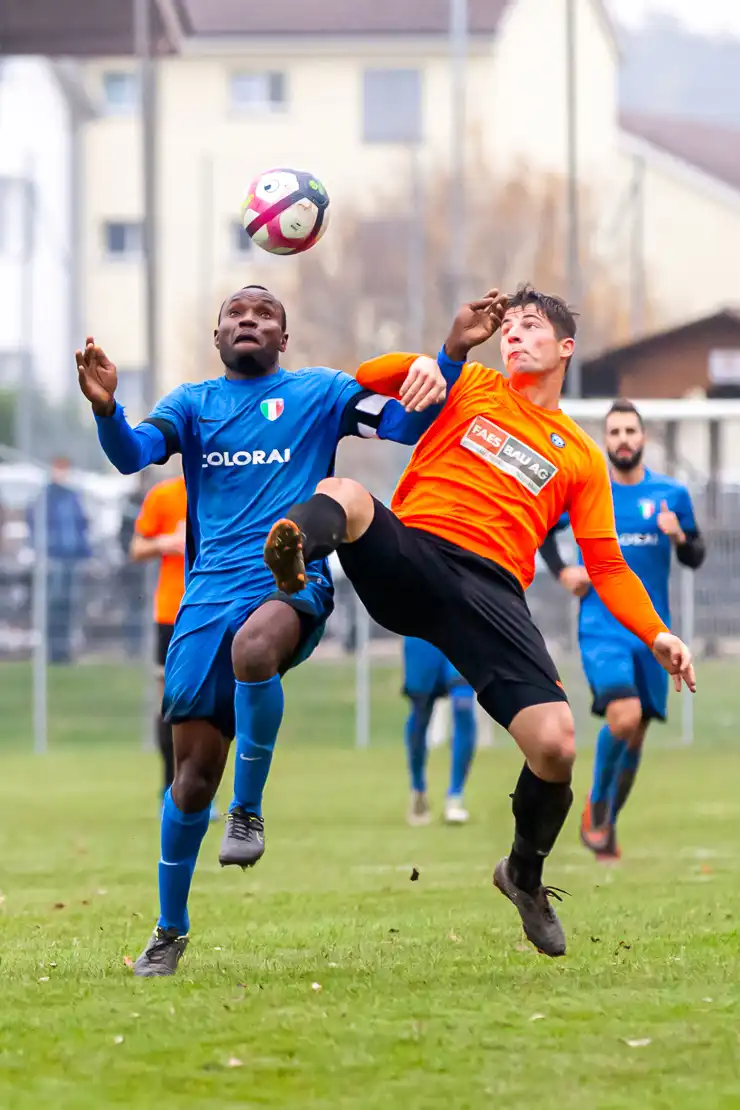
[{"x": 272, "y": 408}]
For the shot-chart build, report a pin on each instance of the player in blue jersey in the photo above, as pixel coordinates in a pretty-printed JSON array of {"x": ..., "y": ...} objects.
[
  {"x": 252, "y": 442},
  {"x": 428, "y": 675},
  {"x": 654, "y": 516}
]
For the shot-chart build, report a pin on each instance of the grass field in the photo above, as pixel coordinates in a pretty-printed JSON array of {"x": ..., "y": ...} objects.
[{"x": 325, "y": 978}]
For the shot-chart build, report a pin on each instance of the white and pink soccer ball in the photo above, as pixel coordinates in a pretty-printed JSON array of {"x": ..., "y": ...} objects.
[{"x": 285, "y": 211}]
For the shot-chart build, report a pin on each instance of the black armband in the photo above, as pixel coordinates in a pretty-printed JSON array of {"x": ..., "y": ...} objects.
[
  {"x": 551, "y": 555},
  {"x": 171, "y": 438},
  {"x": 362, "y": 415},
  {"x": 692, "y": 551}
]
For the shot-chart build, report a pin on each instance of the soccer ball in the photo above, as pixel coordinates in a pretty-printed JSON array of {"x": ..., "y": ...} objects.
[{"x": 285, "y": 211}]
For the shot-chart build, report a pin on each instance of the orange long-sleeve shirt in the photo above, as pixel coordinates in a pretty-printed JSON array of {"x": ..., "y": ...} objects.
[{"x": 495, "y": 472}]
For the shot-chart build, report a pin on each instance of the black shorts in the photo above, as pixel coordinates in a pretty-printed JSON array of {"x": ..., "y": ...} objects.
[
  {"x": 417, "y": 584},
  {"x": 163, "y": 635}
]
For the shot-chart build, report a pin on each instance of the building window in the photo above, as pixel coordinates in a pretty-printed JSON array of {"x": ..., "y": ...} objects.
[
  {"x": 392, "y": 106},
  {"x": 239, "y": 240},
  {"x": 123, "y": 239},
  {"x": 724, "y": 366},
  {"x": 120, "y": 92},
  {"x": 257, "y": 92}
]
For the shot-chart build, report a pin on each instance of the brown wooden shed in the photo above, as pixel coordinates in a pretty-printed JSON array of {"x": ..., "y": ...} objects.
[{"x": 701, "y": 355}]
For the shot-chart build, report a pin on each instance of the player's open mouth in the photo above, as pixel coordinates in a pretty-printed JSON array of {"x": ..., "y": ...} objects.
[{"x": 251, "y": 339}]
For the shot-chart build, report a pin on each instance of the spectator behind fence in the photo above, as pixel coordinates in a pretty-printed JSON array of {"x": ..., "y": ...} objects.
[{"x": 67, "y": 545}]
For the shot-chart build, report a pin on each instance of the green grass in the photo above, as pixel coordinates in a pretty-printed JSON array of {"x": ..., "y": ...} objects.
[{"x": 427, "y": 995}]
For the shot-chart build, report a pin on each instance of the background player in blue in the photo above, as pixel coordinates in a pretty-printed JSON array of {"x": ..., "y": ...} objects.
[
  {"x": 428, "y": 675},
  {"x": 252, "y": 441},
  {"x": 654, "y": 515}
]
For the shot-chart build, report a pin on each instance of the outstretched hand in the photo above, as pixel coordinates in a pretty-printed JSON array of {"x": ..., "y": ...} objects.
[
  {"x": 475, "y": 323},
  {"x": 98, "y": 378},
  {"x": 675, "y": 657}
]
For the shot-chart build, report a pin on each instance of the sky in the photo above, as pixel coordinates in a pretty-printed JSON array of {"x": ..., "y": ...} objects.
[{"x": 700, "y": 15}]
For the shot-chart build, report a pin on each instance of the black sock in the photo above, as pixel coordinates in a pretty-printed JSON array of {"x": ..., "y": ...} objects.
[
  {"x": 166, "y": 748},
  {"x": 540, "y": 809},
  {"x": 323, "y": 522}
]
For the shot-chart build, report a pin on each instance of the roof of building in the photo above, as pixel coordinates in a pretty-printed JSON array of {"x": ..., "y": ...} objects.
[
  {"x": 648, "y": 343},
  {"x": 714, "y": 150},
  {"x": 82, "y": 28},
  {"x": 340, "y": 17}
]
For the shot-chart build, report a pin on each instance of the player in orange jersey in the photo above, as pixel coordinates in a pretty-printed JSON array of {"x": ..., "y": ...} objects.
[
  {"x": 159, "y": 533},
  {"x": 449, "y": 562}
]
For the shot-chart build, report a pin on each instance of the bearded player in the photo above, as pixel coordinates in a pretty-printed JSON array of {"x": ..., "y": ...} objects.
[
  {"x": 252, "y": 441},
  {"x": 654, "y": 517},
  {"x": 449, "y": 562}
]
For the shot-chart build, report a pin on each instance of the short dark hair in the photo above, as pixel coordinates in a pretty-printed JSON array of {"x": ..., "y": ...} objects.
[
  {"x": 623, "y": 405},
  {"x": 263, "y": 289},
  {"x": 554, "y": 309}
]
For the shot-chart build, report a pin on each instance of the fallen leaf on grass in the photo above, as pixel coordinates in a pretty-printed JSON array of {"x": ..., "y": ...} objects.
[
  {"x": 392, "y": 931},
  {"x": 218, "y": 948},
  {"x": 57, "y": 905},
  {"x": 453, "y": 936},
  {"x": 332, "y": 965},
  {"x": 85, "y": 902},
  {"x": 641, "y": 1042},
  {"x": 52, "y": 964},
  {"x": 128, "y": 961},
  {"x": 118, "y": 1039},
  {"x": 316, "y": 987},
  {"x": 414, "y": 875},
  {"x": 43, "y": 979},
  {"x": 707, "y": 1000},
  {"x": 596, "y": 940},
  {"x": 233, "y": 1062},
  {"x": 706, "y": 869},
  {"x": 537, "y": 1017},
  {"x": 101, "y": 891}
]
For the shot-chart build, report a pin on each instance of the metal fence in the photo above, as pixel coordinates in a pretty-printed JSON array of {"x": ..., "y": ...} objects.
[{"x": 76, "y": 632}]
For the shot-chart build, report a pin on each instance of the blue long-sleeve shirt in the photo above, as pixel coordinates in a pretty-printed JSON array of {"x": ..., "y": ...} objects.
[{"x": 250, "y": 449}]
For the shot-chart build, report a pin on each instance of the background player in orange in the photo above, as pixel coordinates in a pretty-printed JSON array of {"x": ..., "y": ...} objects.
[
  {"x": 449, "y": 562},
  {"x": 159, "y": 533}
]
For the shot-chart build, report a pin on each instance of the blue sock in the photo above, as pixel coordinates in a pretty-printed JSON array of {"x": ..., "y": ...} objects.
[
  {"x": 608, "y": 752},
  {"x": 624, "y": 778},
  {"x": 463, "y": 739},
  {"x": 416, "y": 740},
  {"x": 182, "y": 834},
  {"x": 259, "y": 712}
]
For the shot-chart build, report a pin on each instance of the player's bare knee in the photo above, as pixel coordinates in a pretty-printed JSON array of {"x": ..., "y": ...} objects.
[
  {"x": 194, "y": 786},
  {"x": 254, "y": 655},
  {"x": 556, "y": 752},
  {"x": 624, "y": 718},
  {"x": 354, "y": 499}
]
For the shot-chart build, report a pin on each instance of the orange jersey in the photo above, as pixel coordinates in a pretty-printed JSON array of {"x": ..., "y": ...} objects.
[
  {"x": 163, "y": 511},
  {"x": 495, "y": 472}
]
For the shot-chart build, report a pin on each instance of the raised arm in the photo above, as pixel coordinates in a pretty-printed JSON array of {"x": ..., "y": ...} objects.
[
  {"x": 129, "y": 449},
  {"x": 681, "y": 528}
]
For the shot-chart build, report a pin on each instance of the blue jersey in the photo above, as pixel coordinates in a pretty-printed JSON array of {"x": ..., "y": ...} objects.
[
  {"x": 251, "y": 448},
  {"x": 646, "y": 550}
]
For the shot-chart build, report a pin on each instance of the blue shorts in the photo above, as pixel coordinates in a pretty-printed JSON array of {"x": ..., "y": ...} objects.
[
  {"x": 199, "y": 681},
  {"x": 616, "y": 669},
  {"x": 427, "y": 673}
]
